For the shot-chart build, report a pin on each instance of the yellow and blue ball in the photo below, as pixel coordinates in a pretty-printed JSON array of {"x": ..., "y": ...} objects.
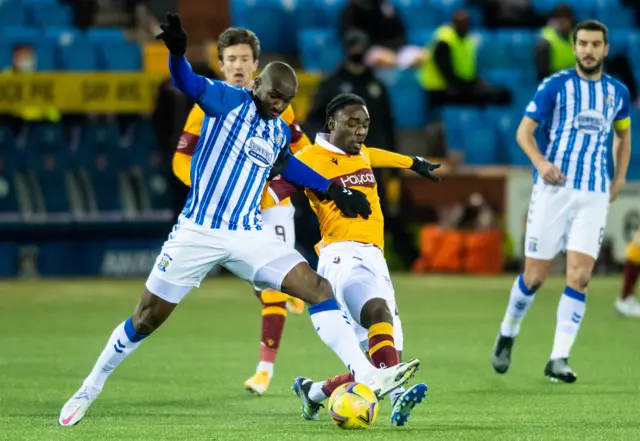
[{"x": 353, "y": 406}]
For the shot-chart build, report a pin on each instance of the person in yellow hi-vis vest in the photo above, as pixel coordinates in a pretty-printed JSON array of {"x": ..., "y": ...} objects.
[
  {"x": 238, "y": 52},
  {"x": 554, "y": 51},
  {"x": 450, "y": 74}
]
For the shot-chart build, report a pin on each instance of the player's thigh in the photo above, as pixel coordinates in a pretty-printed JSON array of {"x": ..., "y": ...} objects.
[
  {"x": 261, "y": 259},
  {"x": 280, "y": 221},
  {"x": 586, "y": 230},
  {"x": 547, "y": 221},
  {"x": 185, "y": 259}
]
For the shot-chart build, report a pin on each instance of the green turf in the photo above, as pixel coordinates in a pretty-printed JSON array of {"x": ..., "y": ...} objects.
[{"x": 185, "y": 382}]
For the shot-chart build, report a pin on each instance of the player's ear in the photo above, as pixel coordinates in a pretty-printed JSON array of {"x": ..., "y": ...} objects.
[
  {"x": 331, "y": 123},
  {"x": 256, "y": 83}
]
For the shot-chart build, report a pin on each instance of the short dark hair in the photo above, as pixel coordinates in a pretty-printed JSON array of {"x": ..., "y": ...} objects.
[
  {"x": 343, "y": 100},
  {"x": 591, "y": 25},
  {"x": 235, "y": 36}
]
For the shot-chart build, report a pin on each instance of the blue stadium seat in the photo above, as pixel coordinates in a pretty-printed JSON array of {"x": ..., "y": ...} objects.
[
  {"x": 520, "y": 46},
  {"x": 267, "y": 20},
  {"x": 420, "y": 37},
  {"x": 480, "y": 146},
  {"x": 407, "y": 98},
  {"x": 45, "y": 138},
  {"x": 492, "y": 53},
  {"x": 511, "y": 78},
  {"x": 13, "y": 34},
  {"x": 95, "y": 139},
  {"x": 104, "y": 181},
  {"x": 457, "y": 120},
  {"x": 62, "y": 36},
  {"x": 106, "y": 35},
  {"x": 616, "y": 18},
  {"x": 416, "y": 14},
  {"x": 142, "y": 151},
  {"x": 12, "y": 14},
  {"x": 301, "y": 14},
  {"x": 9, "y": 265},
  {"x": 5, "y": 55},
  {"x": 329, "y": 11},
  {"x": 320, "y": 49},
  {"x": 50, "y": 172},
  {"x": 50, "y": 14},
  {"x": 79, "y": 56},
  {"x": 121, "y": 56}
]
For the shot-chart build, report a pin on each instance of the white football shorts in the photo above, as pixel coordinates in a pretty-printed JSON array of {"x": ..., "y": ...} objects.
[
  {"x": 563, "y": 218},
  {"x": 345, "y": 263},
  {"x": 280, "y": 220},
  {"x": 259, "y": 257}
]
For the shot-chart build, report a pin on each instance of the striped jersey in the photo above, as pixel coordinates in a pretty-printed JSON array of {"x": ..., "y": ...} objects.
[
  {"x": 576, "y": 117},
  {"x": 232, "y": 159}
]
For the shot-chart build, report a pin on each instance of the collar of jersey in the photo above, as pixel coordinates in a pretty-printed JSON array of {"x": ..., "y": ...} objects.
[{"x": 322, "y": 139}]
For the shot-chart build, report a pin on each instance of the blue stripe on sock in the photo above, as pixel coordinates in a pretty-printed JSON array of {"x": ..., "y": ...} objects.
[
  {"x": 572, "y": 293},
  {"x": 523, "y": 288},
  {"x": 132, "y": 335},
  {"x": 327, "y": 305}
]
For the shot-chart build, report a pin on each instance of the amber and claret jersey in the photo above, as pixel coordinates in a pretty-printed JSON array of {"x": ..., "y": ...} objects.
[
  {"x": 191, "y": 134},
  {"x": 348, "y": 171}
]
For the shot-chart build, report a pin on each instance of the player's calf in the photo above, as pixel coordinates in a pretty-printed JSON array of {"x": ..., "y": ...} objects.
[
  {"x": 150, "y": 313},
  {"x": 305, "y": 284}
]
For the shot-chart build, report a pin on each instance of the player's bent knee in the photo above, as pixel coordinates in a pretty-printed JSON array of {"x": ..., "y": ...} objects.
[
  {"x": 535, "y": 273},
  {"x": 150, "y": 313},
  {"x": 304, "y": 283},
  {"x": 579, "y": 278},
  {"x": 375, "y": 311}
]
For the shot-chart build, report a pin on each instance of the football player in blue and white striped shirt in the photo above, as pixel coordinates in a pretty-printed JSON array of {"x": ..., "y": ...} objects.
[
  {"x": 241, "y": 139},
  {"x": 577, "y": 110}
]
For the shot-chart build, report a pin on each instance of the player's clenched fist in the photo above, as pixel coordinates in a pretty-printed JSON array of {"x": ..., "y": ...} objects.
[
  {"x": 550, "y": 173},
  {"x": 350, "y": 202},
  {"x": 174, "y": 37}
]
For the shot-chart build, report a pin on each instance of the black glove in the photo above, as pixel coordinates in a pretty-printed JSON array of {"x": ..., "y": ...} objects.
[
  {"x": 174, "y": 37},
  {"x": 425, "y": 168},
  {"x": 280, "y": 164},
  {"x": 349, "y": 201}
]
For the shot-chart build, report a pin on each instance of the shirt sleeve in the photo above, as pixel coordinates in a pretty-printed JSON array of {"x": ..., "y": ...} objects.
[
  {"x": 384, "y": 159},
  {"x": 220, "y": 98},
  {"x": 541, "y": 106}
]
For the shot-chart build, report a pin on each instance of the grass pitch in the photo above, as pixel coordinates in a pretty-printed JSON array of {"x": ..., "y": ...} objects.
[{"x": 185, "y": 382}]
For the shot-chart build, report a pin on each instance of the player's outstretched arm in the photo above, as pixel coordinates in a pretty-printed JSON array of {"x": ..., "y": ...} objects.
[
  {"x": 350, "y": 202},
  {"x": 547, "y": 171},
  {"x": 385, "y": 159},
  {"x": 175, "y": 38}
]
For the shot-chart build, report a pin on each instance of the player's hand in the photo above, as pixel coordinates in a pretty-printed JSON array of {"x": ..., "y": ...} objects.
[
  {"x": 174, "y": 37},
  {"x": 425, "y": 168},
  {"x": 550, "y": 173},
  {"x": 615, "y": 188},
  {"x": 349, "y": 201}
]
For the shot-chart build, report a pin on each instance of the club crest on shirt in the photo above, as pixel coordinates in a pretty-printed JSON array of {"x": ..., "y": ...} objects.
[
  {"x": 279, "y": 138},
  {"x": 589, "y": 122},
  {"x": 259, "y": 151},
  {"x": 609, "y": 100}
]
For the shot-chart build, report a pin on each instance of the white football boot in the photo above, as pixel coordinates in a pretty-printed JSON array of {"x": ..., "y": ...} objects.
[
  {"x": 74, "y": 409},
  {"x": 387, "y": 379},
  {"x": 629, "y": 307}
]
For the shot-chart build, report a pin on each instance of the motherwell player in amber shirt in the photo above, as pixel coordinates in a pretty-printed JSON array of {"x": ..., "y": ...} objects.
[
  {"x": 351, "y": 250},
  {"x": 238, "y": 53}
]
